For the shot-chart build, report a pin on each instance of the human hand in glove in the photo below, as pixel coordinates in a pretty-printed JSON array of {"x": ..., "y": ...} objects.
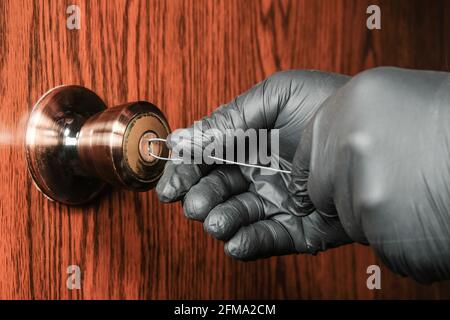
[
  {"x": 259, "y": 215},
  {"x": 377, "y": 155}
]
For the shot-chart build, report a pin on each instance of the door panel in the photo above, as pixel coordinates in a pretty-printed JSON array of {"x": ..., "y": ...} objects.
[{"x": 187, "y": 57}]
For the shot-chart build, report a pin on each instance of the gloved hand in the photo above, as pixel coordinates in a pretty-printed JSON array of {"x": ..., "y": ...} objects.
[
  {"x": 377, "y": 155},
  {"x": 256, "y": 214}
]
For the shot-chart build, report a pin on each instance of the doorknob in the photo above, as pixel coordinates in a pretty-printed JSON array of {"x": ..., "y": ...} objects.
[{"x": 75, "y": 146}]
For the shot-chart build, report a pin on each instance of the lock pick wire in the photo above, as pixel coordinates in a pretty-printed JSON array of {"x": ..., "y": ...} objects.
[{"x": 149, "y": 150}]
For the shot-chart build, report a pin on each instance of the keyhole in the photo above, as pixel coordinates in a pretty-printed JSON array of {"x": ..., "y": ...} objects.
[{"x": 146, "y": 147}]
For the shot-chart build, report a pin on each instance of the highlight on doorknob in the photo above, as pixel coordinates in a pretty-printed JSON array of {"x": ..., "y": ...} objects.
[{"x": 75, "y": 145}]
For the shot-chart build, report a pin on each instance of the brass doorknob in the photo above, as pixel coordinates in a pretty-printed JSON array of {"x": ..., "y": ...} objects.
[{"x": 75, "y": 146}]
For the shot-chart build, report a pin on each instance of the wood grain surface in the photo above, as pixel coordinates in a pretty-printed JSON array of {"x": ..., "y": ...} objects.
[{"x": 187, "y": 57}]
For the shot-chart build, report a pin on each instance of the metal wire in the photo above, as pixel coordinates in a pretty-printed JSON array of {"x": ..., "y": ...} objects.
[{"x": 150, "y": 140}]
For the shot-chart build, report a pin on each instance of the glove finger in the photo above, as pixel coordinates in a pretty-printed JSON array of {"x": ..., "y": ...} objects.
[
  {"x": 176, "y": 180},
  {"x": 222, "y": 183},
  {"x": 226, "y": 218},
  {"x": 262, "y": 239},
  {"x": 178, "y": 177},
  {"x": 241, "y": 113}
]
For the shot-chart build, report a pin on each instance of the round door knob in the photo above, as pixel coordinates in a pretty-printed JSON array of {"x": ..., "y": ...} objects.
[{"x": 75, "y": 146}]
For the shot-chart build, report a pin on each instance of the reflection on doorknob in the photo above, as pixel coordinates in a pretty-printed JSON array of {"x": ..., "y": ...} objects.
[{"x": 75, "y": 146}]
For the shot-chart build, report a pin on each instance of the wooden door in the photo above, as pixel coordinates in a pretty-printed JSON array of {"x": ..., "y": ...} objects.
[{"x": 186, "y": 56}]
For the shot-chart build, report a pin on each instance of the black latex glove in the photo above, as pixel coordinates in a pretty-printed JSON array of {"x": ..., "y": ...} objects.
[
  {"x": 377, "y": 155},
  {"x": 253, "y": 212}
]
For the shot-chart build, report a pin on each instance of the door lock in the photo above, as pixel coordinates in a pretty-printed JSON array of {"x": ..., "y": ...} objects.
[{"x": 75, "y": 145}]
